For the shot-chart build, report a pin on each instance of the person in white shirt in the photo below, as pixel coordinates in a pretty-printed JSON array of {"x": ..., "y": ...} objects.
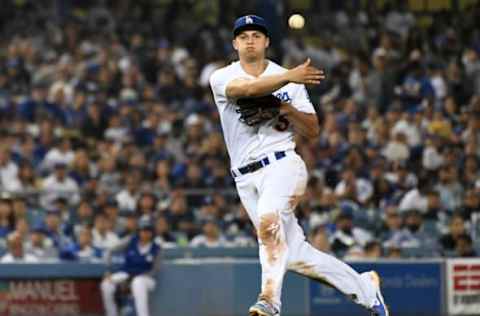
[
  {"x": 16, "y": 253},
  {"x": 211, "y": 237},
  {"x": 62, "y": 153},
  {"x": 128, "y": 197},
  {"x": 39, "y": 245},
  {"x": 103, "y": 238},
  {"x": 9, "y": 180},
  {"x": 409, "y": 127},
  {"x": 58, "y": 185},
  {"x": 416, "y": 198},
  {"x": 270, "y": 177}
]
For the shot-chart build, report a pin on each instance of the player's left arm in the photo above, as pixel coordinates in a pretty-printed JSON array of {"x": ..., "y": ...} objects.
[{"x": 301, "y": 114}]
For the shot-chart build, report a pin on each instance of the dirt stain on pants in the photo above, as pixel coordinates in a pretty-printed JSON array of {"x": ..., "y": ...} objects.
[{"x": 271, "y": 237}]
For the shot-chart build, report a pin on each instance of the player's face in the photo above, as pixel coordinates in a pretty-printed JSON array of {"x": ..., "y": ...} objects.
[{"x": 251, "y": 44}]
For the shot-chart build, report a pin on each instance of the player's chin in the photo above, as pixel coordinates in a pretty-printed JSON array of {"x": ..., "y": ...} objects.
[{"x": 251, "y": 55}]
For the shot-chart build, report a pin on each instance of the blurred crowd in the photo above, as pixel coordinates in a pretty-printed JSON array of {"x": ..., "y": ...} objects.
[{"x": 106, "y": 118}]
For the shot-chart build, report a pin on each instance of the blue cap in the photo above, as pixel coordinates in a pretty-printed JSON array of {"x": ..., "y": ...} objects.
[{"x": 250, "y": 22}]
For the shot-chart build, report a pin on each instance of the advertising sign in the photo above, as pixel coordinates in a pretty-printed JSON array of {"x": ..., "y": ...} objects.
[
  {"x": 408, "y": 288},
  {"x": 57, "y": 297},
  {"x": 463, "y": 286}
]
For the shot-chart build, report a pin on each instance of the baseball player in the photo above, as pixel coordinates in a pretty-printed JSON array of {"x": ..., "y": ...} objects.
[
  {"x": 141, "y": 264},
  {"x": 261, "y": 106}
]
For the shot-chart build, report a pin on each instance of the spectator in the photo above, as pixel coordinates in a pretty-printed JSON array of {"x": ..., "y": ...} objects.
[
  {"x": 193, "y": 180},
  {"x": 449, "y": 188},
  {"x": 28, "y": 181},
  {"x": 401, "y": 178},
  {"x": 16, "y": 253},
  {"x": 83, "y": 249},
  {"x": 180, "y": 217},
  {"x": 40, "y": 246},
  {"x": 353, "y": 188},
  {"x": 163, "y": 236},
  {"x": 163, "y": 179},
  {"x": 373, "y": 250},
  {"x": 208, "y": 211},
  {"x": 392, "y": 225},
  {"x": 103, "y": 237},
  {"x": 8, "y": 172},
  {"x": 238, "y": 227},
  {"x": 54, "y": 230},
  {"x": 7, "y": 217},
  {"x": 464, "y": 247},
  {"x": 393, "y": 251},
  {"x": 211, "y": 237},
  {"x": 116, "y": 223},
  {"x": 416, "y": 198},
  {"x": 346, "y": 235},
  {"x": 432, "y": 159},
  {"x": 456, "y": 229},
  {"x": 397, "y": 149},
  {"x": 413, "y": 236},
  {"x": 147, "y": 205},
  {"x": 57, "y": 185},
  {"x": 127, "y": 198},
  {"x": 61, "y": 154},
  {"x": 471, "y": 204},
  {"x": 108, "y": 176},
  {"x": 81, "y": 170},
  {"x": 408, "y": 127},
  {"x": 82, "y": 216}
]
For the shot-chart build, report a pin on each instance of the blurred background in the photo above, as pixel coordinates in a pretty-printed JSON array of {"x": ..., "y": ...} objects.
[{"x": 106, "y": 118}]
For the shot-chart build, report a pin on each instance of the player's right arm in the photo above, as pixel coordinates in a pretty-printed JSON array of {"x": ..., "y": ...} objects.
[{"x": 303, "y": 74}]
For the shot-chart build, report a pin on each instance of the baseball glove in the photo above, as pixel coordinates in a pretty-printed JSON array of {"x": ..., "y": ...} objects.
[{"x": 255, "y": 111}]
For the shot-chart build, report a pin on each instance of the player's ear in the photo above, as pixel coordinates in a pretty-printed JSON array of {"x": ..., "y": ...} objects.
[
  {"x": 267, "y": 42},
  {"x": 234, "y": 44}
]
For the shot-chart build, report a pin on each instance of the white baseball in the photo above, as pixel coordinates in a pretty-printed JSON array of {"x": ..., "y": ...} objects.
[{"x": 296, "y": 21}]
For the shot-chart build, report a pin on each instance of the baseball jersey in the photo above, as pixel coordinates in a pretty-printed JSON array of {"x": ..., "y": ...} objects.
[
  {"x": 246, "y": 143},
  {"x": 139, "y": 260}
]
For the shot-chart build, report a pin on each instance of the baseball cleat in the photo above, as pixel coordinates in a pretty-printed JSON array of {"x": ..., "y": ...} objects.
[
  {"x": 263, "y": 308},
  {"x": 379, "y": 308}
]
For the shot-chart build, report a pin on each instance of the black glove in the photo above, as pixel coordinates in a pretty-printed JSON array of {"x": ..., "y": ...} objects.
[{"x": 255, "y": 111}]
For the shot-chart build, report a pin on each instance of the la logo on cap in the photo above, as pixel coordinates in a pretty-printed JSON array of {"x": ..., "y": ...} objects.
[{"x": 248, "y": 19}]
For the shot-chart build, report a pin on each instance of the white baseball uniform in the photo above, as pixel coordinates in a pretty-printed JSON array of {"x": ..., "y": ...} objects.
[{"x": 270, "y": 194}]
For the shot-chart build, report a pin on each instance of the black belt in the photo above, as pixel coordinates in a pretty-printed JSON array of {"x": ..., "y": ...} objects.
[{"x": 256, "y": 165}]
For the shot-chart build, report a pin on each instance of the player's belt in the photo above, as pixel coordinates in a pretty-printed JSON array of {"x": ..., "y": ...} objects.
[{"x": 256, "y": 165}]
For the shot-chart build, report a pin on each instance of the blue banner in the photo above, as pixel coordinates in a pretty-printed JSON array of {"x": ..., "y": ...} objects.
[{"x": 414, "y": 289}]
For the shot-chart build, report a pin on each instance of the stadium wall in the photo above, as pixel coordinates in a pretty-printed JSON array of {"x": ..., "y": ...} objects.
[{"x": 227, "y": 286}]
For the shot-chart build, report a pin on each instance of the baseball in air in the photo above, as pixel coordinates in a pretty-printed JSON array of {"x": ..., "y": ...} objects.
[{"x": 296, "y": 21}]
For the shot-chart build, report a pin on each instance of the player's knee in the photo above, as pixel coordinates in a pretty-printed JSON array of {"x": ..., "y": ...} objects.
[
  {"x": 107, "y": 286},
  {"x": 138, "y": 285},
  {"x": 269, "y": 230}
]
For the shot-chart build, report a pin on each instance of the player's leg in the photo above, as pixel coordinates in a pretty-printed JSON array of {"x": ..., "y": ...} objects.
[
  {"x": 247, "y": 191},
  {"x": 308, "y": 261},
  {"x": 282, "y": 183},
  {"x": 141, "y": 285},
  {"x": 108, "y": 287}
]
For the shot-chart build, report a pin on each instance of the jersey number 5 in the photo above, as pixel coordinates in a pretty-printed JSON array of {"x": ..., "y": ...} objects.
[{"x": 282, "y": 123}]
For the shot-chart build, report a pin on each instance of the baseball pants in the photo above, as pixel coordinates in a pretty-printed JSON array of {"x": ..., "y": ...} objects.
[
  {"x": 140, "y": 286},
  {"x": 270, "y": 196}
]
